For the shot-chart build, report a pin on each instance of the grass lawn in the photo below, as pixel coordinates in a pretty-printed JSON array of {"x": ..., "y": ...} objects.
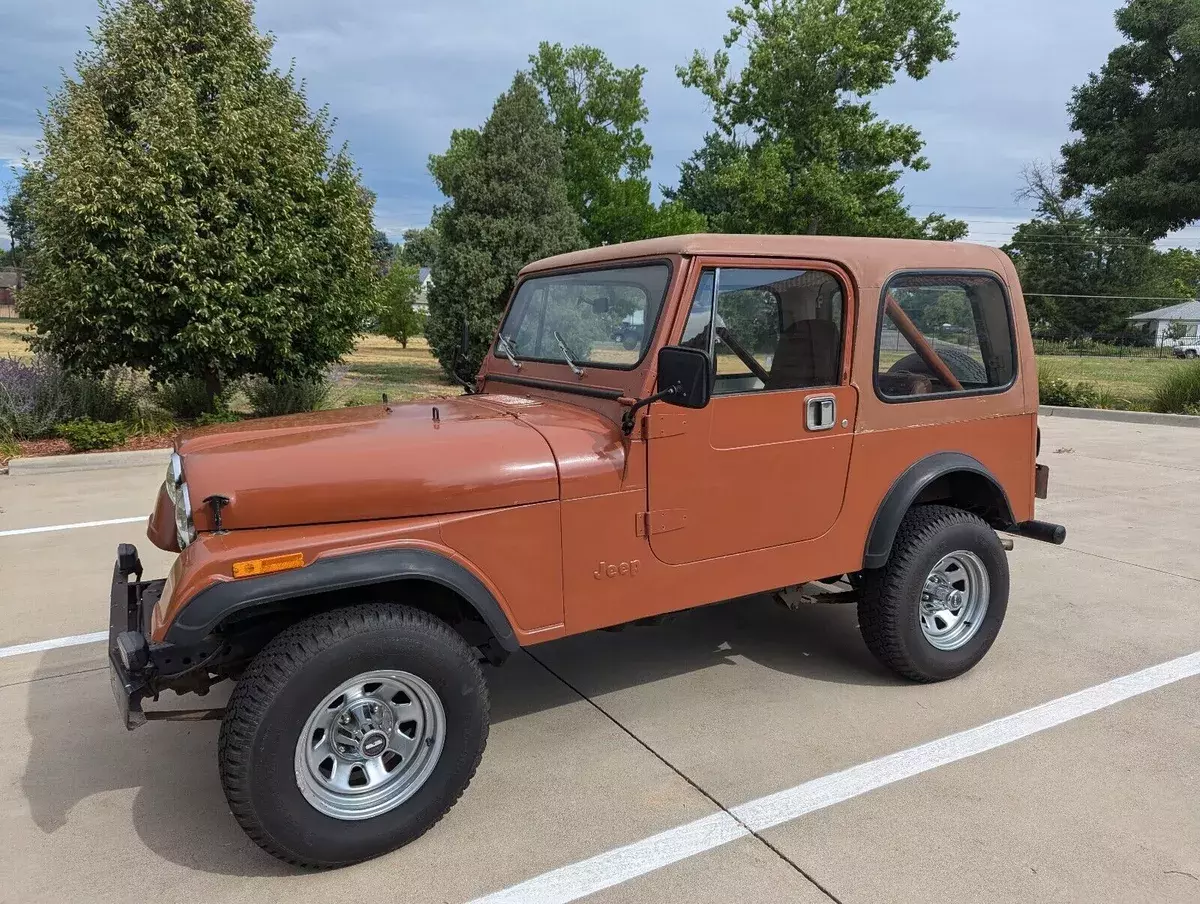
[
  {"x": 1129, "y": 379},
  {"x": 379, "y": 365},
  {"x": 11, "y": 344}
]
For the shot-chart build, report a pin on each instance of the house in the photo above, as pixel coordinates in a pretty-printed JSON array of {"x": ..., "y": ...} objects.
[
  {"x": 1159, "y": 322},
  {"x": 424, "y": 283},
  {"x": 10, "y": 281}
]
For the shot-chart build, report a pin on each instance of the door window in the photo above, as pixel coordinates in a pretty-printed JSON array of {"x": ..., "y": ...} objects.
[
  {"x": 772, "y": 329},
  {"x": 943, "y": 333}
]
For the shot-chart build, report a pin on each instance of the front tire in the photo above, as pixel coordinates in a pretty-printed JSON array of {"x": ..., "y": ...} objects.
[
  {"x": 352, "y": 733},
  {"x": 934, "y": 610}
]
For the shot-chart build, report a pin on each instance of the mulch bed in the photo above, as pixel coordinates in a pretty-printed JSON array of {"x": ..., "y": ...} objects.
[{"x": 30, "y": 448}]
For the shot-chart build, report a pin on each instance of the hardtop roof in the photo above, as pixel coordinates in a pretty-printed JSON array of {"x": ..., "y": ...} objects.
[{"x": 870, "y": 260}]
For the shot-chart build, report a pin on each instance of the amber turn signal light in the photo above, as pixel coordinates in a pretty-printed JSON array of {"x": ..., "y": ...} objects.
[{"x": 252, "y": 567}]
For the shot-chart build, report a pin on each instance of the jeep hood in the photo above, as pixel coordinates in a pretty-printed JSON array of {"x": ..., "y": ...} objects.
[{"x": 370, "y": 463}]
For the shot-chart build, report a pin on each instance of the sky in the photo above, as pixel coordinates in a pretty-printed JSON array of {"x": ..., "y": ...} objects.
[{"x": 398, "y": 76}]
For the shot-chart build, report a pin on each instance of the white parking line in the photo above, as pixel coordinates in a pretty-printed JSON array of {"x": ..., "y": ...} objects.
[
  {"x": 570, "y": 883},
  {"x": 53, "y": 527},
  {"x": 41, "y": 646}
]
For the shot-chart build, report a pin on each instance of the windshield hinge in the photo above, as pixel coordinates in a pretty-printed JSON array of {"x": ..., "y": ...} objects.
[
  {"x": 665, "y": 423},
  {"x": 660, "y": 522}
]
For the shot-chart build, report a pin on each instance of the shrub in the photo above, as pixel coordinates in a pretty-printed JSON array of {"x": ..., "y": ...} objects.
[
  {"x": 30, "y": 399},
  {"x": 152, "y": 421},
  {"x": 1056, "y": 391},
  {"x": 268, "y": 399},
  {"x": 1178, "y": 390},
  {"x": 37, "y": 396},
  {"x": 217, "y": 417},
  {"x": 187, "y": 398},
  {"x": 111, "y": 397},
  {"x": 8, "y": 449},
  {"x": 85, "y": 434}
]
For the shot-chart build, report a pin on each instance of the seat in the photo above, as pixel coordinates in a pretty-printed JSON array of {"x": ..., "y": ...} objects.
[{"x": 807, "y": 355}]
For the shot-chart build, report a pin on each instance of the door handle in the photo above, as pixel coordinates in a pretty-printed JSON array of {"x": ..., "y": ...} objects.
[{"x": 820, "y": 412}]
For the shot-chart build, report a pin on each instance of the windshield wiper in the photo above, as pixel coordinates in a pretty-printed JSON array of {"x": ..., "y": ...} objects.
[
  {"x": 570, "y": 359},
  {"x": 506, "y": 347}
]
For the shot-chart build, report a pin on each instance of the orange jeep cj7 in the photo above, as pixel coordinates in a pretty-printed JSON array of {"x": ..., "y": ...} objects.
[{"x": 658, "y": 425}]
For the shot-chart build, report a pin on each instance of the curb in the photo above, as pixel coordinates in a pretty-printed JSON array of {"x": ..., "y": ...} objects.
[
  {"x": 1129, "y": 417},
  {"x": 89, "y": 461}
]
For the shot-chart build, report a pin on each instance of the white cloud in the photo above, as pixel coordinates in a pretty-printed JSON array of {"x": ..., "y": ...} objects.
[{"x": 400, "y": 76}]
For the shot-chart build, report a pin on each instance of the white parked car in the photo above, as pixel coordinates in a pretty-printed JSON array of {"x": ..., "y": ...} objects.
[{"x": 1187, "y": 347}]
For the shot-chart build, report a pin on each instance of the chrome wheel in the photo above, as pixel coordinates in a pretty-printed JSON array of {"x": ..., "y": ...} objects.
[
  {"x": 370, "y": 745},
  {"x": 954, "y": 600}
]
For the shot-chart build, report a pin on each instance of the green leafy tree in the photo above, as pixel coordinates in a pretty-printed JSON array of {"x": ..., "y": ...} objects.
[
  {"x": 508, "y": 206},
  {"x": 599, "y": 111},
  {"x": 797, "y": 147},
  {"x": 1178, "y": 330},
  {"x": 189, "y": 217},
  {"x": 394, "y": 302},
  {"x": 420, "y": 246},
  {"x": 381, "y": 246},
  {"x": 15, "y": 214},
  {"x": 1063, "y": 251},
  {"x": 1139, "y": 120}
]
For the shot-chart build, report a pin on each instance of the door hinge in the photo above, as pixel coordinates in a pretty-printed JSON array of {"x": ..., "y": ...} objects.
[
  {"x": 663, "y": 424},
  {"x": 660, "y": 522}
]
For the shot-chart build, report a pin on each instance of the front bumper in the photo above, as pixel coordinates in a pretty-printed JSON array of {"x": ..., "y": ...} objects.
[{"x": 130, "y": 671}]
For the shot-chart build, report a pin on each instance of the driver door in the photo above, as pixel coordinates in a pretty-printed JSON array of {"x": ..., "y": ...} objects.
[{"x": 765, "y": 464}]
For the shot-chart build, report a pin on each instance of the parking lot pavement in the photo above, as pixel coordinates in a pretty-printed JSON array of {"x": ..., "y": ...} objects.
[{"x": 708, "y": 711}]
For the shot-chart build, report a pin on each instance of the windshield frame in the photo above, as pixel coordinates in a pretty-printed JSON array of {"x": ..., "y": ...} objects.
[{"x": 651, "y": 327}]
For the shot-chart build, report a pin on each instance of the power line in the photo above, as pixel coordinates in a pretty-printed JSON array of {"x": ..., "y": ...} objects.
[{"x": 1174, "y": 298}]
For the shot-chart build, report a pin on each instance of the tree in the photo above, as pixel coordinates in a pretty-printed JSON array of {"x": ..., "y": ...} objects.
[
  {"x": 797, "y": 147},
  {"x": 508, "y": 206},
  {"x": 420, "y": 246},
  {"x": 1063, "y": 251},
  {"x": 381, "y": 246},
  {"x": 1139, "y": 121},
  {"x": 598, "y": 111},
  {"x": 15, "y": 214},
  {"x": 1178, "y": 330},
  {"x": 394, "y": 303},
  {"x": 189, "y": 218}
]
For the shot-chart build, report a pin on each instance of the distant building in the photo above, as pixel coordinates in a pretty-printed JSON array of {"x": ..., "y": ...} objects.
[
  {"x": 424, "y": 284},
  {"x": 10, "y": 281},
  {"x": 1187, "y": 312}
]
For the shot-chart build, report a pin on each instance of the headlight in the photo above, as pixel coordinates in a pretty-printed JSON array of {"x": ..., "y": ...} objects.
[{"x": 177, "y": 490}]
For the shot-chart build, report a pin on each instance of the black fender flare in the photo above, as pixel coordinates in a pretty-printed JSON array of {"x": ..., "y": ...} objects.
[
  {"x": 211, "y": 606},
  {"x": 909, "y": 486}
]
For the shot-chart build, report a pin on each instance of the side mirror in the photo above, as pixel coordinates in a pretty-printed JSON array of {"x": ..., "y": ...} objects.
[
  {"x": 685, "y": 376},
  {"x": 685, "y": 379}
]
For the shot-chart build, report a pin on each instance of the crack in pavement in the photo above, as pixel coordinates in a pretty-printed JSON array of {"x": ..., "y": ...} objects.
[
  {"x": 99, "y": 668},
  {"x": 1162, "y": 571},
  {"x": 662, "y": 759}
]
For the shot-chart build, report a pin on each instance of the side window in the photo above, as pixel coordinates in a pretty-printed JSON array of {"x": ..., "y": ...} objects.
[
  {"x": 772, "y": 329},
  {"x": 942, "y": 333}
]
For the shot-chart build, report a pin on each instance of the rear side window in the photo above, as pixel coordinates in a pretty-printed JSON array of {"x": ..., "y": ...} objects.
[{"x": 943, "y": 333}]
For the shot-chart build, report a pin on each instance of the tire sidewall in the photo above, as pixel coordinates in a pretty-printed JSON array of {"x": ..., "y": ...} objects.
[
  {"x": 973, "y": 537},
  {"x": 275, "y": 795}
]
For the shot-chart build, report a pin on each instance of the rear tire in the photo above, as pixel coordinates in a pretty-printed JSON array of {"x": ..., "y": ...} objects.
[
  {"x": 961, "y": 364},
  {"x": 424, "y": 687},
  {"x": 934, "y": 610}
]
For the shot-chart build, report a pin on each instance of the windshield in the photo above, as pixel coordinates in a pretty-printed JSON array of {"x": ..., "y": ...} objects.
[{"x": 600, "y": 318}]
